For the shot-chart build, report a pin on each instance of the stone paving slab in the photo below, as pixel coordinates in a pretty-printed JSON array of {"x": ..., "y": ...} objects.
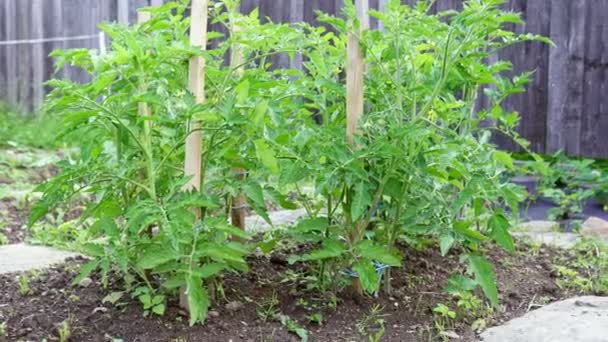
[
  {"x": 256, "y": 224},
  {"x": 580, "y": 319},
  {"x": 21, "y": 257}
]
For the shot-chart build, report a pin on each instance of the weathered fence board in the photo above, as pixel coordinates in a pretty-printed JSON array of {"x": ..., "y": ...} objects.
[{"x": 565, "y": 108}]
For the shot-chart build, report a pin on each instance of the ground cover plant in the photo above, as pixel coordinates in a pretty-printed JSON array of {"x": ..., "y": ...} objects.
[{"x": 421, "y": 172}]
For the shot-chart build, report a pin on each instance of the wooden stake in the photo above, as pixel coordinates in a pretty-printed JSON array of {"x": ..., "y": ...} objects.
[
  {"x": 355, "y": 69},
  {"x": 238, "y": 211},
  {"x": 196, "y": 85}
]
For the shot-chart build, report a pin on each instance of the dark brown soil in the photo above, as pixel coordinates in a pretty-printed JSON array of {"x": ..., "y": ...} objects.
[
  {"x": 12, "y": 219},
  {"x": 525, "y": 279}
]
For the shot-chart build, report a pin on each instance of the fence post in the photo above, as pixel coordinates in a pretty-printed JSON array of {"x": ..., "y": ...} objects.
[
  {"x": 355, "y": 68},
  {"x": 123, "y": 11},
  {"x": 196, "y": 85}
]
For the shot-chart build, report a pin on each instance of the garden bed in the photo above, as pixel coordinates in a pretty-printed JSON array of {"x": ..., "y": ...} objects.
[
  {"x": 537, "y": 207},
  {"x": 526, "y": 279}
]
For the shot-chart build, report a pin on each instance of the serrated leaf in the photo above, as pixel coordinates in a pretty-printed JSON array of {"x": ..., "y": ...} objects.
[
  {"x": 485, "y": 277},
  {"x": 368, "y": 250},
  {"x": 198, "y": 300},
  {"x": 242, "y": 92},
  {"x": 85, "y": 271},
  {"x": 209, "y": 270},
  {"x": 155, "y": 255},
  {"x": 259, "y": 112},
  {"x": 462, "y": 228},
  {"x": 330, "y": 249},
  {"x": 446, "y": 242},
  {"x": 499, "y": 231},
  {"x": 266, "y": 156},
  {"x": 113, "y": 297},
  {"x": 368, "y": 277},
  {"x": 458, "y": 283},
  {"x": 361, "y": 201},
  {"x": 317, "y": 224},
  {"x": 504, "y": 158}
]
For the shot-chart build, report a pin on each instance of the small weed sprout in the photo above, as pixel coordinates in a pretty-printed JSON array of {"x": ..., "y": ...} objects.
[
  {"x": 316, "y": 318},
  {"x": 570, "y": 279},
  {"x": 64, "y": 329},
  {"x": 444, "y": 318},
  {"x": 24, "y": 284},
  {"x": 269, "y": 308},
  {"x": 372, "y": 324}
]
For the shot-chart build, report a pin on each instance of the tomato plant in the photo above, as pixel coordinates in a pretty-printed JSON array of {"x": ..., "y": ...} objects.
[{"x": 422, "y": 163}]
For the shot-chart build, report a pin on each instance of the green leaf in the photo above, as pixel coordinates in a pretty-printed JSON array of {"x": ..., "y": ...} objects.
[
  {"x": 330, "y": 249},
  {"x": 446, "y": 241},
  {"x": 155, "y": 255},
  {"x": 159, "y": 309},
  {"x": 504, "y": 158},
  {"x": 198, "y": 300},
  {"x": 370, "y": 281},
  {"x": 499, "y": 231},
  {"x": 113, "y": 297},
  {"x": 209, "y": 270},
  {"x": 255, "y": 194},
  {"x": 463, "y": 228},
  {"x": 85, "y": 271},
  {"x": 259, "y": 112},
  {"x": 37, "y": 212},
  {"x": 242, "y": 92},
  {"x": 367, "y": 249},
  {"x": 458, "y": 283},
  {"x": 317, "y": 224},
  {"x": 485, "y": 277},
  {"x": 266, "y": 156},
  {"x": 361, "y": 201}
]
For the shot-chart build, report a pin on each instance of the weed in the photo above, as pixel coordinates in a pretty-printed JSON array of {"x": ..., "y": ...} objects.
[
  {"x": 592, "y": 260},
  {"x": 570, "y": 279},
  {"x": 372, "y": 324},
  {"x": 268, "y": 309},
  {"x": 24, "y": 284},
  {"x": 3, "y": 329},
  {"x": 152, "y": 303},
  {"x": 64, "y": 329},
  {"x": 444, "y": 318},
  {"x": 316, "y": 318},
  {"x": 293, "y": 326}
]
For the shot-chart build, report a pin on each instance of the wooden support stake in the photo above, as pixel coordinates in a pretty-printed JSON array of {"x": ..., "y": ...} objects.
[
  {"x": 238, "y": 211},
  {"x": 196, "y": 85},
  {"x": 355, "y": 69}
]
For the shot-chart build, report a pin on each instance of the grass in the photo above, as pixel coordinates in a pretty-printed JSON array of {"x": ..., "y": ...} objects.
[{"x": 31, "y": 130}]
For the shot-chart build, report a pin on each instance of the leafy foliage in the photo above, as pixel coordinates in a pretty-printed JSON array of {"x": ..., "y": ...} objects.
[
  {"x": 422, "y": 163},
  {"x": 130, "y": 164}
]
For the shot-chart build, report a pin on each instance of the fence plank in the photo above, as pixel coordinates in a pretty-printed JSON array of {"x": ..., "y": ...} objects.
[
  {"x": 37, "y": 51},
  {"x": 575, "y": 75},
  {"x": 595, "y": 118},
  {"x": 558, "y": 79},
  {"x": 3, "y": 49}
]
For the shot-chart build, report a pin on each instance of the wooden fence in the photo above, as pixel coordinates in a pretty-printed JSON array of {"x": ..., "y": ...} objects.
[{"x": 565, "y": 108}]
